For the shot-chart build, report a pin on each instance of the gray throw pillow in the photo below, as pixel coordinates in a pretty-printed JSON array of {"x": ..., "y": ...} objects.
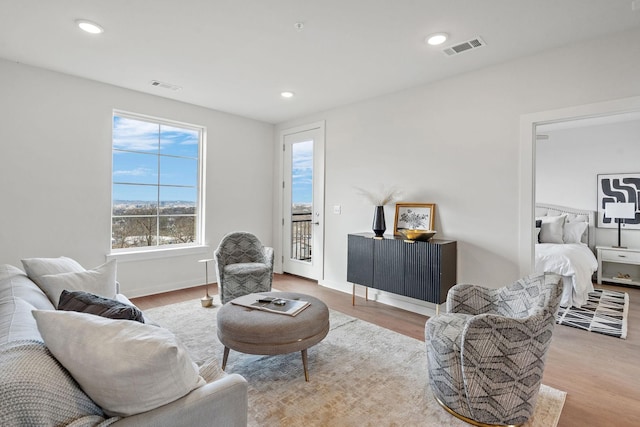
[
  {"x": 85, "y": 302},
  {"x": 100, "y": 281},
  {"x": 552, "y": 229},
  {"x": 38, "y": 267}
]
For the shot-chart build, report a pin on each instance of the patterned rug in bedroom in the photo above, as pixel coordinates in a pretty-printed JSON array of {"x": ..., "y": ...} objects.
[{"x": 605, "y": 313}]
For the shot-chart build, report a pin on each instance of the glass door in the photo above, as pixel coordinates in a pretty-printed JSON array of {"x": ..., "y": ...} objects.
[{"x": 303, "y": 203}]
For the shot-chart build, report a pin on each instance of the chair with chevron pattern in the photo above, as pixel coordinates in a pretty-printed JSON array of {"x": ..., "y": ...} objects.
[
  {"x": 245, "y": 266},
  {"x": 486, "y": 355}
]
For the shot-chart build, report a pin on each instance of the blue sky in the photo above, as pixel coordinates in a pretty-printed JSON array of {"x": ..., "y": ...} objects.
[
  {"x": 138, "y": 163},
  {"x": 143, "y": 141},
  {"x": 302, "y": 172}
]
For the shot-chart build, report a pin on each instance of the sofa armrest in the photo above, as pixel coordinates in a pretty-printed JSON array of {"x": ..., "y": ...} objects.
[{"x": 222, "y": 402}]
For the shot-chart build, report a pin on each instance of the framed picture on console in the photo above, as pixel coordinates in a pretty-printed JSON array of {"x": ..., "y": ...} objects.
[{"x": 414, "y": 216}]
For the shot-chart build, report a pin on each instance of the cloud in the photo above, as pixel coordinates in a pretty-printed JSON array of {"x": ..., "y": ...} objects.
[
  {"x": 137, "y": 135},
  {"x": 302, "y": 155},
  {"x": 136, "y": 172},
  {"x": 180, "y": 136}
]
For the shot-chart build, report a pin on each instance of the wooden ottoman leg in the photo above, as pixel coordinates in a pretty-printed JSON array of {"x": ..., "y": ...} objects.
[
  {"x": 304, "y": 365},
  {"x": 225, "y": 357}
]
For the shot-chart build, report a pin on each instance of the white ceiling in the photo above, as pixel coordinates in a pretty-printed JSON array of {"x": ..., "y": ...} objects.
[{"x": 238, "y": 55}]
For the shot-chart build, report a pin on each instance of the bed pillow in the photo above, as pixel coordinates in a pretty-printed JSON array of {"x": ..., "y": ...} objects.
[
  {"x": 538, "y": 226},
  {"x": 38, "y": 267},
  {"x": 573, "y": 231},
  {"x": 100, "y": 281},
  {"x": 85, "y": 302},
  {"x": 125, "y": 367},
  {"x": 552, "y": 229}
]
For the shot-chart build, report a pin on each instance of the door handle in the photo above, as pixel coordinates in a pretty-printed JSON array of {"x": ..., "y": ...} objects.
[{"x": 316, "y": 223}]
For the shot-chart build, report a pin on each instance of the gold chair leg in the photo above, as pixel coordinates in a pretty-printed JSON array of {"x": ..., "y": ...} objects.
[{"x": 469, "y": 420}]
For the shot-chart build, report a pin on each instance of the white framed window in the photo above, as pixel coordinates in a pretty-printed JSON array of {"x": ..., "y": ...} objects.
[{"x": 157, "y": 174}]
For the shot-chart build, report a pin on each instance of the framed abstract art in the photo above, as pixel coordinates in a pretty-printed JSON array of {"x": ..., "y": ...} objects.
[{"x": 618, "y": 188}]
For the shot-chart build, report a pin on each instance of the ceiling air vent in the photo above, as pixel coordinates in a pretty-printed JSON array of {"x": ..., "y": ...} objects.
[
  {"x": 163, "y": 85},
  {"x": 464, "y": 46}
]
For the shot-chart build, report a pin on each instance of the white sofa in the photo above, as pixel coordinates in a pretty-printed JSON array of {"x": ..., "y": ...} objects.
[{"x": 37, "y": 390}]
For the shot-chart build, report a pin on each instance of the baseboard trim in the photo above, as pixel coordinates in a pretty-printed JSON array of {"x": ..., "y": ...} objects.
[
  {"x": 410, "y": 304},
  {"x": 160, "y": 288}
]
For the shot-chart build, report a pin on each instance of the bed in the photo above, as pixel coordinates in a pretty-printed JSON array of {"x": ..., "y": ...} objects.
[{"x": 566, "y": 247}]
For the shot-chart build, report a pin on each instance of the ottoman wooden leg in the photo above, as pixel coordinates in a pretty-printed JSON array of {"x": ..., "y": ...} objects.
[
  {"x": 304, "y": 365},
  {"x": 225, "y": 357}
]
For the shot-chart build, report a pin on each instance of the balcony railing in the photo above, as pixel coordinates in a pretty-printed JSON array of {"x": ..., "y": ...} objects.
[{"x": 301, "y": 229}]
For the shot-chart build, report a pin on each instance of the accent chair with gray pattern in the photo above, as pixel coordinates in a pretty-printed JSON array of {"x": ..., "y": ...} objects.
[
  {"x": 244, "y": 266},
  {"x": 487, "y": 354}
]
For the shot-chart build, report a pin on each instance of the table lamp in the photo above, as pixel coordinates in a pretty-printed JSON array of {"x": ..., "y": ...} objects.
[{"x": 620, "y": 212}]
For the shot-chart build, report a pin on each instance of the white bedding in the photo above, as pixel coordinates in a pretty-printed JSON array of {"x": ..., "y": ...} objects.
[{"x": 575, "y": 262}]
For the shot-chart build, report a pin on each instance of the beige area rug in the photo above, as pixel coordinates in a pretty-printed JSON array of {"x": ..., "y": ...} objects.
[{"x": 360, "y": 375}]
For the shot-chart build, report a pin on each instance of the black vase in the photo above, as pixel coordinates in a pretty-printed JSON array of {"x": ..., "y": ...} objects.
[{"x": 379, "y": 225}]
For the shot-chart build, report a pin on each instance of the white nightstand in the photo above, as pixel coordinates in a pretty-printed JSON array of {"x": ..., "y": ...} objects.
[{"x": 609, "y": 265}]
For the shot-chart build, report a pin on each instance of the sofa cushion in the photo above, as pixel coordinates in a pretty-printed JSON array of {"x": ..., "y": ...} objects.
[
  {"x": 125, "y": 367},
  {"x": 100, "y": 281},
  {"x": 15, "y": 283},
  {"x": 37, "y": 391},
  {"x": 85, "y": 302},
  {"x": 16, "y": 321},
  {"x": 38, "y": 267}
]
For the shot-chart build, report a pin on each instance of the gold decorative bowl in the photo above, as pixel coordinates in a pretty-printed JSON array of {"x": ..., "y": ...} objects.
[{"x": 421, "y": 235}]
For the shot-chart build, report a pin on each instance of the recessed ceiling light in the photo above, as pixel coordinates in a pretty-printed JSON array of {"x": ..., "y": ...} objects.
[
  {"x": 89, "y": 27},
  {"x": 286, "y": 94},
  {"x": 436, "y": 39}
]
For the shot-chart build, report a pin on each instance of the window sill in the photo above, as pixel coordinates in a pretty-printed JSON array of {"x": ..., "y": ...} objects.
[{"x": 141, "y": 255}]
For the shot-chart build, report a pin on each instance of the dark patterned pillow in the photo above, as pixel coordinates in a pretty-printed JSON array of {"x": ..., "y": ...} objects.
[
  {"x": 86, "y": 302},
  {"x": 538, "y": 228}
]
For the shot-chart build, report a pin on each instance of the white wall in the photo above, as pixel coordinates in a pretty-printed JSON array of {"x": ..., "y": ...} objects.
[
  {"x": 567, "y": 165},
  {"x": 456, "y": 143},
  {"x": 55, "y": 174}
]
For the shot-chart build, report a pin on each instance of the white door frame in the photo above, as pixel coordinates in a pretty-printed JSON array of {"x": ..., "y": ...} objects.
[{"x": 319, "y": 161}]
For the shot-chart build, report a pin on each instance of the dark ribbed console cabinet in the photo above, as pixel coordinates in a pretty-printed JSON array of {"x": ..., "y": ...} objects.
[{"x": 421, "y": 270}]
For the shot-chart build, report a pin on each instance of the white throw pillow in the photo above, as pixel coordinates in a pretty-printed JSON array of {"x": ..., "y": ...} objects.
[
  {"x": 573, "y": 232},
  {"x": 38, "y": 267},
  {"x": 100, "y": 281},
  {"x": 125, "y": 367},
  {"x": 552, "y": 229}
]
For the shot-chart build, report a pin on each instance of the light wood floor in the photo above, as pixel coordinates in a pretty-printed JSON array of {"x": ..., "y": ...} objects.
[{"x": 601, "y": 374}]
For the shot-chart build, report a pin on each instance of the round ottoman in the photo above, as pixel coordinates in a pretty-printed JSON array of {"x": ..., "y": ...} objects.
[{"x": 260, "y": 332}]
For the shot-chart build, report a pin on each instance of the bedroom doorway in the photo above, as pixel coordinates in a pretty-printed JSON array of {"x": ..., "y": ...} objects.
[{"x": 530, "y": 125}]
